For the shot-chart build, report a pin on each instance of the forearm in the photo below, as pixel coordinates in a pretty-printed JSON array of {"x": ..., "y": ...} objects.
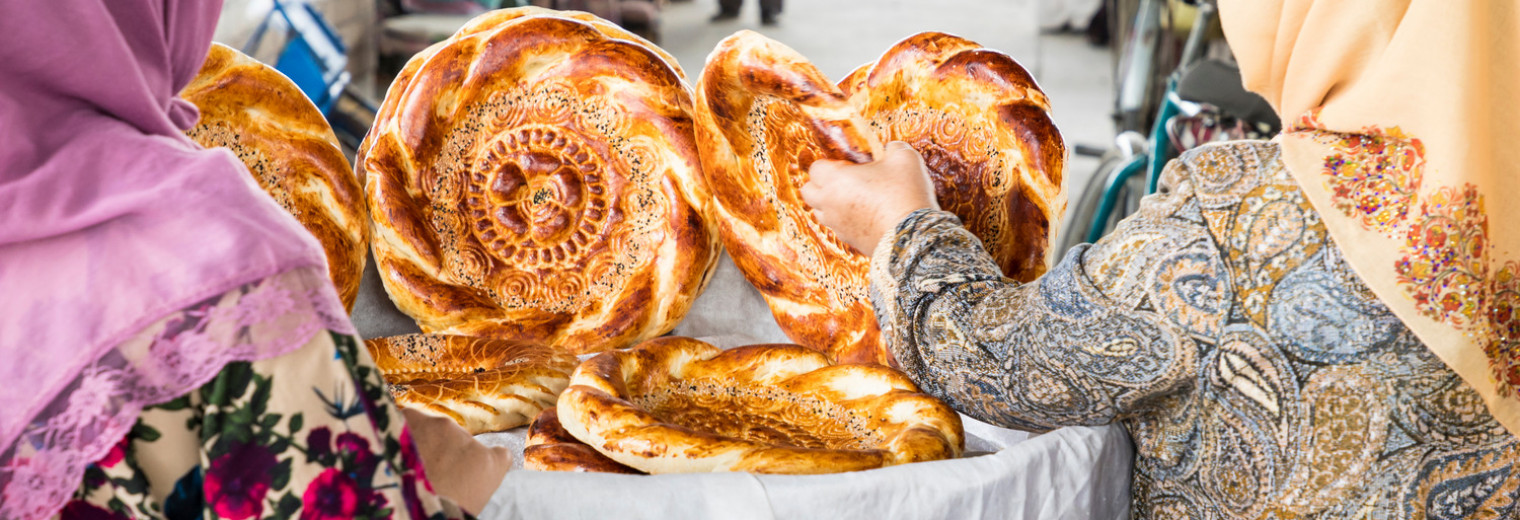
[{"x": 1033, "y": 356}]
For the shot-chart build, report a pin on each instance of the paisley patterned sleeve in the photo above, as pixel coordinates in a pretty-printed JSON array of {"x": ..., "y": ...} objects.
[{"x": 1085, "y": 344}]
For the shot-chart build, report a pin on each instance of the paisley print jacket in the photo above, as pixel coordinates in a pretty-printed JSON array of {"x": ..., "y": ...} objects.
[{"x": 1256, "y": 374}]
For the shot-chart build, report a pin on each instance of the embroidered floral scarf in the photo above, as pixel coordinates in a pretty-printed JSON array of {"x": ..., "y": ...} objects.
[{"x": 1398, "y": 116}]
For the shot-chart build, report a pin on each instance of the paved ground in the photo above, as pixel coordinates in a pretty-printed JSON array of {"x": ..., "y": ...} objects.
[{"x": 838, "y": 35}]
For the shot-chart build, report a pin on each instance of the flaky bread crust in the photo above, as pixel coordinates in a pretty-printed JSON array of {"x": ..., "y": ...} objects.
[
  {"x": 764, "y": 114},
  {"x": 537, "y": 179},
  {"x": 485, "y": 385},
  {"x": 983, "y": 127},
  {"x": 259, "y": 114},
  {"x": 551, "y": 448},
  {"x": 678, "y": 405},
  {"x": 485, "y": 22}
]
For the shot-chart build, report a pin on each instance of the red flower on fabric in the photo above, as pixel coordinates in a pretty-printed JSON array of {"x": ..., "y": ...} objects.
[
  {"x": 352, "y": 444},
  {"x": 80, "y": 510},
  {"x": 411, "y": 462},
  {"x": 360, "y": 461},
  {"x": 117, "y": 453},
  {"x": 334, "y": 495},
  {"x": 412, "y": 475},
  {"x": 318, "y": 443},
  {"x": 237, "y": 482}
]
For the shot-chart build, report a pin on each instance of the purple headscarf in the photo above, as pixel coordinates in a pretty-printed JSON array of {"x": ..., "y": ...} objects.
[{"x": 110, "y": 218}]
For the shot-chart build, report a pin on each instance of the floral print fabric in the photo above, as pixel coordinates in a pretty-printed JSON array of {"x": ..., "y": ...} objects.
[
  {"x": 1256, "y": 373},
  {"x": 163, "y": 359},
  {"x": 310, "y": 435}
]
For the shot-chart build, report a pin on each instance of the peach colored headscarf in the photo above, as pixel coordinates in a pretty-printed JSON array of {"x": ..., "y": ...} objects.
[{"x": 1400, "y": 120}]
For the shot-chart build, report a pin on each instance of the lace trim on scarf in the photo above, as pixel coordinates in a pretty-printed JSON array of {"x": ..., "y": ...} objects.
[{"x": 169, "y": 358}]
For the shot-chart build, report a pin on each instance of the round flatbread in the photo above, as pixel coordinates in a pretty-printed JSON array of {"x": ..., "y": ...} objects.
[
  {"x": 983, "y": 127},
  {"x": 678, "y": 405},
  {"x": 765, "y": 114},
  {"x": 485, "y": 385},
  {"x": 536, "y": 178},
  {"x": 261, "y": 116},
  {"x": 486, "y": 22}
]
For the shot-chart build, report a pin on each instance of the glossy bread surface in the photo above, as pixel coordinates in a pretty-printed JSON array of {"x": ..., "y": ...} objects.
[
  {"x": 551, "y": 448},
  {"x": 263, "y": 118},
  {"x": 765, "y": 114},
  {"x": 678, "y": 405},
  {"x": 535, "y": 177},
  {"x": 485, "y": 385}
]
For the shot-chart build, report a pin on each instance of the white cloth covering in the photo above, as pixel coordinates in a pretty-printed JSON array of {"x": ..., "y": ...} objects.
[{"x": 1070, "y": 473}]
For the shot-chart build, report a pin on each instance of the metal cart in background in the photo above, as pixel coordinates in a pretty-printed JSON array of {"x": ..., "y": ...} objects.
[
  {"x": 314, "y": 57},
  {"x": 1160, "y": 115}
]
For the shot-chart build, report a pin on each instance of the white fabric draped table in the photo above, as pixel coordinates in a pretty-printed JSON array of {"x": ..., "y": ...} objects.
[{"x": 1070, "y": 473}]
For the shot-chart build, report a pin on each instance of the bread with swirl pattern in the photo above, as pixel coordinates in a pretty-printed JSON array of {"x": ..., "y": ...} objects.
[
  {"x": 261, "y": 116},
  {"x": 535, "y": 177},
  {"x": 765, "y": 114},
  {"x": 485, "y": 385},
  {"x": 678, "y": 405}
]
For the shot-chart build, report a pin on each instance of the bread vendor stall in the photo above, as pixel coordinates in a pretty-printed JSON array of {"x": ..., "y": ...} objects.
[{"x": 556, "y": 209}]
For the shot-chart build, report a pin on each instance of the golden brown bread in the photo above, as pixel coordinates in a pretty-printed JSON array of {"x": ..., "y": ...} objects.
[
  {"x": 259, "y": 114},
  {"x": 984, "y": 129},
  {"x": 678, "y": 405},
  {"x": 485, "y": 22},
  {"x": 551, "y": 448},
  {"x": 535, "y": 177},
  {"x": 485, "y": 385},
  {"x": 764, "y": 114}
]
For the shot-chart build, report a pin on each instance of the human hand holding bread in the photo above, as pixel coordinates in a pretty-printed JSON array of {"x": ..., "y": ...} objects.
[{"x": 862, "y": 202}]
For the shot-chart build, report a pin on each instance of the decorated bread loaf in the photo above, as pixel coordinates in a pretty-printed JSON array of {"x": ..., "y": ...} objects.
[
  {"x": 765, "y": 114},
  {"x": 485, "y": 385},
  {"x": 551, "y": 448},
  {"x": 535, "y": 177},
  {"x": 678, "y": 405},
  {"x": 259, "y": 114}
]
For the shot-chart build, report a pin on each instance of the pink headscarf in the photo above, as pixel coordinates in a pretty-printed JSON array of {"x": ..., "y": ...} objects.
[{"x": 110, "y": 218}]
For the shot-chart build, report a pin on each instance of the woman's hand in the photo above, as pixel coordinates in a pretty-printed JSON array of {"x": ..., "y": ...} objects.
[
  {"x": 862, "y": 202},
  {"x": 458, "y": 466}
]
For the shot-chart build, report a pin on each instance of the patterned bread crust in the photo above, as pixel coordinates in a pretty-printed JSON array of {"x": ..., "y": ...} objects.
[
  {"x": 537, "y": 179},
  {"x": 259, "y": 114},
  {"x": 551, "y": 448},
  {"x": 984, "y": 129},
  {"x": 765, "y": 114},
  {"x": 485, "y": 385},
  {"x": 486, "y": 22},
  {"x": 678, "y": 405}
]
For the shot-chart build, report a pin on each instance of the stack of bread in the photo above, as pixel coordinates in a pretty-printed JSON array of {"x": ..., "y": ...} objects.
[
  {"x": 544, "y": 184},
  {"x": 534, "y": 178}
]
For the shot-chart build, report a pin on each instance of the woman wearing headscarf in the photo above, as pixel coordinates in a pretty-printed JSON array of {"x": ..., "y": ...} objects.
[
  {"x": 1319, "y": 326},
  {"x": 171, "y": 345}
]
